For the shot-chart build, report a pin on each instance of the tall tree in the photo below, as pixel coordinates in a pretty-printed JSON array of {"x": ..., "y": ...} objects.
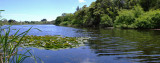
[
  {"x": 150, "y": 4},
  {"x": 77, "y": 8}
]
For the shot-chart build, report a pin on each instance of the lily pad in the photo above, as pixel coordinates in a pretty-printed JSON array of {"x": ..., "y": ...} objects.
[{"x": 52, "y": 42}]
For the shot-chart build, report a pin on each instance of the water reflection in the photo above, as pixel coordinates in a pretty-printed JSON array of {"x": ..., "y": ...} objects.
[
  {"x": 138, "y": 45},
  {"x": 105, "y": 45}
]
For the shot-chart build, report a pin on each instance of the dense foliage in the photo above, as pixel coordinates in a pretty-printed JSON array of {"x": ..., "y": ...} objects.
[
  {"x": 127, "y": 18},
  {"x": 150, "y": 19},
  {"x": 137, "y": 18},
  {"x": 108, "y": 13}
]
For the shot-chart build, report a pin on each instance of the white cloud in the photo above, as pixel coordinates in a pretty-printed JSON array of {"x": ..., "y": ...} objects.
[{"x": 81, "y": 1}]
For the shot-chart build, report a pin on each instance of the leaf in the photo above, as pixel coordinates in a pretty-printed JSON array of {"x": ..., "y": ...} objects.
[{"x": 38, "y": 29}]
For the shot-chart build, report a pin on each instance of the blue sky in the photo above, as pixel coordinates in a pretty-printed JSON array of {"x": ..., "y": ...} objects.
[{"x": 35, "y": 10}]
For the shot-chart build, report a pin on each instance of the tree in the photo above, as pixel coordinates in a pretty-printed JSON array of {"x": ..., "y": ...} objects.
[
  {"x": 33, "y": 22},
  {"x": 65, "y": 19},
  {"x": 77, "y": 8},
  {"x": 2, "y": 10},
  {"x": 43, "y": 20},
  {"x": 11, "y": 21},
  {"x": 58, "y": 20},
  {"x": 104, "y": 13},
  {"x": 26, "y": 22},
  {"x": 150, "y": 4}
]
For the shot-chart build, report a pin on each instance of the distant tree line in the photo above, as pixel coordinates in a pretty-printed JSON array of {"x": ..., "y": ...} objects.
[
  {"x": 14, "y": 22},
  {"x": 117, "y": 13},
  {"x": 4, "y": 21}
]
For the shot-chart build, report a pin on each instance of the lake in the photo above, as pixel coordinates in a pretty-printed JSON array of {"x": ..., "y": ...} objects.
[{"x": 105, "y": 45}]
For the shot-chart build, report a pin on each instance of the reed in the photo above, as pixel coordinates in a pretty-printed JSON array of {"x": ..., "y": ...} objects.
[{"x": 9, "y": 48}]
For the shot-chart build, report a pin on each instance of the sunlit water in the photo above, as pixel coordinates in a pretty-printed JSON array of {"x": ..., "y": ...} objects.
[{"x": 105, "y": 45}]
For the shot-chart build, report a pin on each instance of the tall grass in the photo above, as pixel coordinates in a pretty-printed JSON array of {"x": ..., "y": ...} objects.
[{"x": 9, "y": 48}]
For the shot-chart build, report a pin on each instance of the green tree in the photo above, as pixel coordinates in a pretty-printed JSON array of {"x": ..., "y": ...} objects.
[
  {"x": 65, "y": 19},
  {"x": 77, "y": 8},
  {"x": 126, "y": 18},
  {"x": 150, "y": 4},
  {"x": 11, "y": 21},
  {"x": 44, "y": 20},
  {"x": 121, "y": 13},
  {"x": 58, "y": 20}
]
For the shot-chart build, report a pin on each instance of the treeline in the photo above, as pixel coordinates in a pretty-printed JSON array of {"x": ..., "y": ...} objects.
[
  {"x": 117, "y": 13},
  {"x": 14, "y": 22}
]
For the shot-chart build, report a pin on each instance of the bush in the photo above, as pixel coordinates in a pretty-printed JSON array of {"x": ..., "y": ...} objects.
[
  {"x": 76, "y": 22},
  {"x": 65, "y": 23},
  {"x": 126, "y": 18},
  {"x": 106, "y": 21},
  {"x": 138, "y": 10},
  {"x": 149, "y": 19}
]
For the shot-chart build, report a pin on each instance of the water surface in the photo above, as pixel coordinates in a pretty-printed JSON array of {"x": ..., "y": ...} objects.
[{"x": 105, "y": 45}]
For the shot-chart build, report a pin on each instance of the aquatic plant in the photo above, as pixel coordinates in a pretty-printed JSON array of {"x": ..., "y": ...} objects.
[
  {"x": 10, "y": 44},
  {"x": 9, "y": 48},
  {"x": 51, "y": 42}
]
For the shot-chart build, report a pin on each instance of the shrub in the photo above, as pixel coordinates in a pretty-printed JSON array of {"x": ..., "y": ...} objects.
[
  {"x": 138, "y": 10},
  {"x": 149, "y": 19},
  {"x": 76, "y": 22},
  {"x": 65, "y": 23},
  {"x": 126, "y": 18},
  {"x": 106, "y": 21}
]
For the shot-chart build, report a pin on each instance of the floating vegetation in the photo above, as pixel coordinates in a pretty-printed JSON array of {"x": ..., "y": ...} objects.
[
  {"x": 52, "y": 42},
  {"x": 10, "y": 44}
]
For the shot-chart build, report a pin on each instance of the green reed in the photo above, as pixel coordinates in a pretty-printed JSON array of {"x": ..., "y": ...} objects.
[{"x": 9, "y": 48}]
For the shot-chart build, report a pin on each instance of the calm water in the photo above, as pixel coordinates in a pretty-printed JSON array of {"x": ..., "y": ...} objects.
[{"x": 105, "y": 45}]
